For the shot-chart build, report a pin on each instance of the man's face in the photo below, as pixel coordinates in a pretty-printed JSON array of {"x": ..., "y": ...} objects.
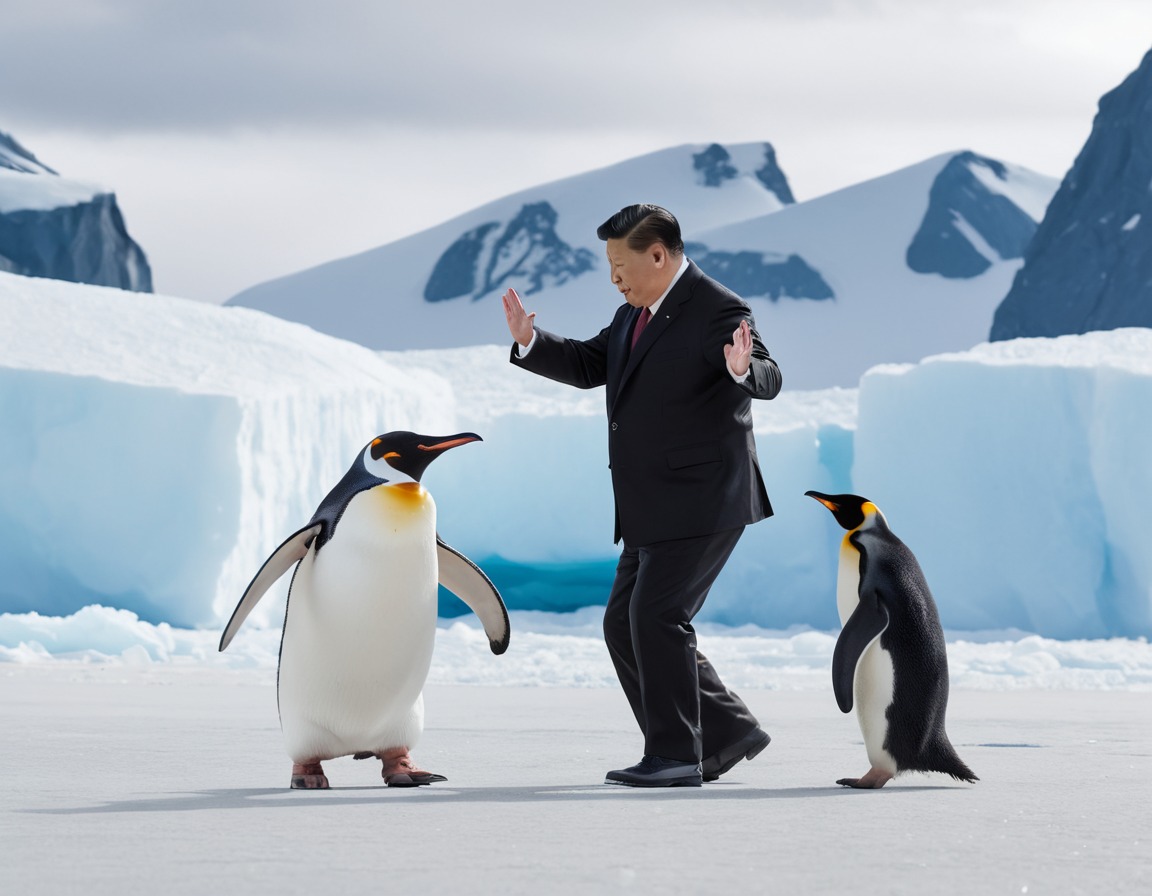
[{"x": 641, "y": 277}]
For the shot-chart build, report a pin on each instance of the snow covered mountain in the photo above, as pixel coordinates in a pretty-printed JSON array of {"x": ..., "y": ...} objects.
[
  {"x": 442, "y": 287},
  {"x": 155, "y": 450},
  {"x": 915, "y": 263},
  {"x": 890, "y": 270},
  {"x": 15, "y": 157},
  {"x": 63, "y": 229},
  {"x": 1090, "y": 265}
]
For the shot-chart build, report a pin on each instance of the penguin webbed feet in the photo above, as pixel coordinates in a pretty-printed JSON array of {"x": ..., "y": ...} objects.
[
  {"x": 308, "y": 776},
  {"x": 400, "y": 771},
  {"x": 873, "y": 780}
]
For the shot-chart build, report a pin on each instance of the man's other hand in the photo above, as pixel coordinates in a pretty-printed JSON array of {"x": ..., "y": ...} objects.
[{"x": 738, "y": 353}]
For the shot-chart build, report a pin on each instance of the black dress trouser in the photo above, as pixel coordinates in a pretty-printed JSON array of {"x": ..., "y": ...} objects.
[{"x": 683, "y": 708}]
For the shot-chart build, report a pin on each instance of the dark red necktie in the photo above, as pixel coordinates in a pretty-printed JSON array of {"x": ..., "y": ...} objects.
[{"x": 641, "y": 323}]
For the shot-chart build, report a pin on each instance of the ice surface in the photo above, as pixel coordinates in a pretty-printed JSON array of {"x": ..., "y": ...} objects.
[
  {"x": 154, "y": 451},
  {"x": 1018, "y": 473},
  {"x": 175, "y": 781}
]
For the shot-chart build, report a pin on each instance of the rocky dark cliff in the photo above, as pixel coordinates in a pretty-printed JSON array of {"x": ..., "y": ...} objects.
[
  {"x": 959, "y": 200},
  {"x": 1089, "y": 266},
  {"x": 82, "y": 241},
  {"x": 483, "y": 259}
]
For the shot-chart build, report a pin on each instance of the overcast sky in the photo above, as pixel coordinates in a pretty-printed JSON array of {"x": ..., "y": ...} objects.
[{"x": 246, "y": 139}]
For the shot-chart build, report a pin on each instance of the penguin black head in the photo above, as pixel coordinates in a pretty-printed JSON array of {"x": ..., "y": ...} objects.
[
  {"x": 409, "y": 453},
  {"x": 848, "y": 509},
  {"x": 393, "y": 458}
]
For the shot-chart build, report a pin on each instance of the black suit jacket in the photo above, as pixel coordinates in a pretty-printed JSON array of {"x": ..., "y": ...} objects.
[{"x": 680, "y": 442}]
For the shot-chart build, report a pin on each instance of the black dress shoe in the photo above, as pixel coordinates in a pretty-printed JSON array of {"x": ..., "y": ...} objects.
[
  {"x": 748, "y": 747},
  {"x": 653, "y": 771}
]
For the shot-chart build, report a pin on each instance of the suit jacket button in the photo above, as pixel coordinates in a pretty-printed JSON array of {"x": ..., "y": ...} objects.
[{"x": 614, "y": 427}]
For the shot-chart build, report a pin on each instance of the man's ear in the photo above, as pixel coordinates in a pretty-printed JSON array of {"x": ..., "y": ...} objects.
[{"x": 659, "y": 254}]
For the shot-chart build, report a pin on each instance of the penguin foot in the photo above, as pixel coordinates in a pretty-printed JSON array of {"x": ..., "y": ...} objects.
[
  {"x": 874, "y": 780},
  {"x": 308, "y": 776},
  {"x": 400, "y": 771}
]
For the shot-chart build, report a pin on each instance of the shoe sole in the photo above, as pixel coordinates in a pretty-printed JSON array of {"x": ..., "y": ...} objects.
[
  {"x": 754, "y": 751},
  {"x": 675, "y": 782}
]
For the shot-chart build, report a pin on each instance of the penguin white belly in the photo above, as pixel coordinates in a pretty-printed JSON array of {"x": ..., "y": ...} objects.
[
  {"x": 872, "y": 691},
  {"x": 360, "y": 629},
  {"x": 872, "y": 687},
  {"x": 847, "y": 581}
]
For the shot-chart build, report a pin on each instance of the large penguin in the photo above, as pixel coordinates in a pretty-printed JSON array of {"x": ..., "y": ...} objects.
[
  {"x": 890, "y": 658},
  {"x": 361, "y": 615}
]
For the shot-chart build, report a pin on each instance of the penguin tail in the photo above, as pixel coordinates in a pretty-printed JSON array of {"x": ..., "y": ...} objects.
[
  {"x": 938, "y": 755},
  {"x": 961, "y": 772},
  {"x": 949, "y": 763}
]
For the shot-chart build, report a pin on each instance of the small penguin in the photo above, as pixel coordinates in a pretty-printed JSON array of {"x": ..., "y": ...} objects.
[
  {"x": 890, "y": 658},
  {"x": 360, "y": 621}
]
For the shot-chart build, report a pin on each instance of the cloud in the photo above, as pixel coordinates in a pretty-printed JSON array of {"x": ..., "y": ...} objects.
[
  {"x": 217, "y": 64},
  {"x": 109, "y": 65}
]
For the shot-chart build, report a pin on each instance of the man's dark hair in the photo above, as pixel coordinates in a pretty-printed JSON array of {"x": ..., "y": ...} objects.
[{"x": 642, "y": 225}]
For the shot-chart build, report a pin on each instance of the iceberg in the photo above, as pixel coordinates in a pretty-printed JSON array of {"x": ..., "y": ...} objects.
[
  {"x": 155, "y": 450},
  {"x": 1018, "y": 472}
]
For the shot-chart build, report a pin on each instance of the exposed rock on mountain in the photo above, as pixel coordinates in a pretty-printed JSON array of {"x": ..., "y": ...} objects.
[
  {"x": 63, "y": 229},
  {"x": 1089, "y": 267},
  {"x": 970, "y": 223}
]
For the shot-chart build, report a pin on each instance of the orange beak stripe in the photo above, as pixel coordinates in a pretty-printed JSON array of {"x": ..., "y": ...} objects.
[{"x": 444, "y": 446}]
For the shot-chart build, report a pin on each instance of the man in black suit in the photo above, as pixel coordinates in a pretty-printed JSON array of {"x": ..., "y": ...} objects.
[{"x": 681, "y": 363}]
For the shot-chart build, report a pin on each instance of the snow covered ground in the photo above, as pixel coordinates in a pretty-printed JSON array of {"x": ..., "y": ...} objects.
[
  {"x": 173, "y": 780},
  {"x": 566, "y": 650}
]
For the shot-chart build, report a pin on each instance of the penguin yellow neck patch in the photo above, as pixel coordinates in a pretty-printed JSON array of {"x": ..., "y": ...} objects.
[{"x": 406, "y": 494}]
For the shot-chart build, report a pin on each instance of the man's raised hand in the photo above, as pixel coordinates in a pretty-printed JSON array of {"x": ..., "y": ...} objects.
[
  {"x": 738, "y": 353},
  {"x": 519, "y": 321}
]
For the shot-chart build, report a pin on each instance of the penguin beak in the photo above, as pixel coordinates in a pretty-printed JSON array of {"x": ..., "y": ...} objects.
[
  {"x": 824, "y": 499},
  {"x": 451, "y": 442}
]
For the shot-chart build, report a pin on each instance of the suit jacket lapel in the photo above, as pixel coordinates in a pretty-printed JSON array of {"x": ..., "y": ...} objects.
[{"x": 618, "y": 340}]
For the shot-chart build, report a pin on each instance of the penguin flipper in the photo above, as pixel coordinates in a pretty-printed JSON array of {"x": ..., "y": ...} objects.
[
  {"x": 290, "y": 552},
  {"x": 867, "y": 623},
  {"x": 467, "y": 581}
]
